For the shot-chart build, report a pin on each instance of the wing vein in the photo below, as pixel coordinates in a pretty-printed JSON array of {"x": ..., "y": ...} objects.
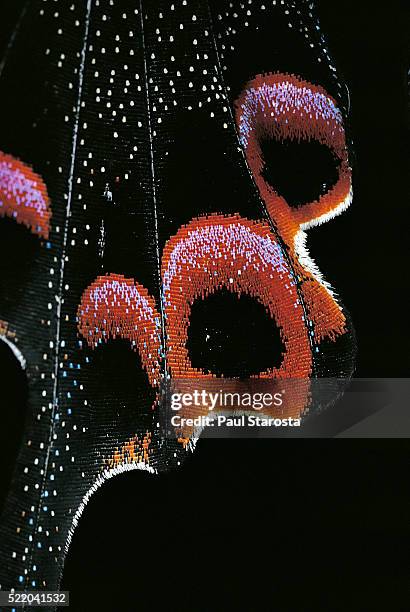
[
  {"x": 154, "y": 191},
  {"x": 63, "y": 257}
]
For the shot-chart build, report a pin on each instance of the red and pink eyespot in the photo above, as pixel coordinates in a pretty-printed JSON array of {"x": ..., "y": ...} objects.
[{"x": 286, "y": 108}]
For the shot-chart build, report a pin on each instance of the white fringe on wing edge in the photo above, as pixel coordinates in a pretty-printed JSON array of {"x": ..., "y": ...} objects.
[
  {"x": 101, "y": 478},
  {"x": 300, "y": 241},
  {"x": 16, "y": 352},
  {"x": 106, "y": 475}
]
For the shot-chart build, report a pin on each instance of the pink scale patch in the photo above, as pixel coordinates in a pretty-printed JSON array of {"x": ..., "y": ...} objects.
[{"x": 23, "y": 196}]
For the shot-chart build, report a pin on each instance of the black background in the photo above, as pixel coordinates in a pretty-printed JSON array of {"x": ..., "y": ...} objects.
[{"x": 301, "y": 524}]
